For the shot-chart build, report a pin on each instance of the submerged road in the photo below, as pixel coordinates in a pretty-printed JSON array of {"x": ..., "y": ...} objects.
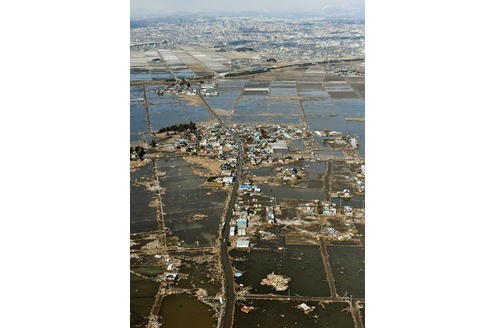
[{"x": 227, "y": 268}]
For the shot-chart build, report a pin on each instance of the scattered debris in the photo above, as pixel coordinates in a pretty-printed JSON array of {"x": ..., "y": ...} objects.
[{"x": 276, "y": 281}]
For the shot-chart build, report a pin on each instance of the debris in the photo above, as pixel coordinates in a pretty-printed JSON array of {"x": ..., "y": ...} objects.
[
  {"x": 277, "y": 281},
  {"x": 247, "y": 309},
  {"x": 171, "y": 276},
  {"x": 305, "y": 308},
  {"x": 201, "y": 293}
]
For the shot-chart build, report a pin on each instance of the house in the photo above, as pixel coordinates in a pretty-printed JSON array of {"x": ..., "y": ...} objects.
[
  {"x": 242, "y": 223},
  {"x": 228, "y": 180},
  {"x": 246, "y": 187},
  {"x": 242, "y": 243}
]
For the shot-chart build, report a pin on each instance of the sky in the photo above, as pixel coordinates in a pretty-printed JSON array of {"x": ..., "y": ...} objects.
[{"x": 145, "y": 7}]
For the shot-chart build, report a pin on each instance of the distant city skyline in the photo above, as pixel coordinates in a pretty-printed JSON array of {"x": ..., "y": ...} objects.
[{"x": 317, "y": 7}]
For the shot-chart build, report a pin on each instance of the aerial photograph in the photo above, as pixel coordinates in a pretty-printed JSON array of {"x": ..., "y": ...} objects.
[{"x": 247, "y": 164}]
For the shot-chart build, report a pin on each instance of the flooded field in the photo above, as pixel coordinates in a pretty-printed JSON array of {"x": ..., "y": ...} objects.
[
  {"x": 303, "y": 264},
  {"x": 332, "y": 114},
  {"x": 250, "y": 119},
  {"x": 285, "y": 314},
  {"x": 192, "y": 211},
  {"x": 165, "y": 114},
  {"x": 198, "y": 270},
  {"x": 185, "y": 310},
  {"x": 137, "y": 121},
  {"x": 142, "y": 216},
  {"x": 310, "y": 187},
  {"x": 298, "y": 184},
  {"x": 256, "y": 107},
  {"x": 142, "y": 297},
  {"x": 348, "y": 269},
  {"x": 287, "y": 192}
]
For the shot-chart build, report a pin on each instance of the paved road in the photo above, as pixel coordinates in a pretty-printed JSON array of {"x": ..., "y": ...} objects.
[{"x": 227, "y": 268}]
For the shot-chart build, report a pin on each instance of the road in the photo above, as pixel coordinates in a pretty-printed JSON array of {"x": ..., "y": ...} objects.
[
  {"x": 227, "y": 268},
  {"x": 328, "y": 268}
]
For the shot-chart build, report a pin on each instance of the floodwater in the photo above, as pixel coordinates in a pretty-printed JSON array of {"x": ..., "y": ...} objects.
[
  {"x": 164, "y": 110},
  {"x": 165, "y": 114},
  {"x": 275, "y": 314},
  {"x": 161, "y": 75},
  {"x": 140, "y": 75},
  {"x": 303, "y": 264},
  {"x": 310, "y": 187},
  {"x": 256, "y": 107},
  {"x": 357, "y": 201},
  {"x": 283, "y": 91},
  {"x": 198, "y": 274},
  {"x": 142, "y": 297},
  {"x": 287, "y": 192},
  {"x": 183, "y": 310},
  {"x": 192, "y": 211},
  {"x": 225, "y": 99},
  {"x": 348, "y": 269},
  {"x": 138, "y": 117},
  {"x": 277, "y": 119},
  {"x": 143, "y": 217},
  {"x": 331, "y": 114}
]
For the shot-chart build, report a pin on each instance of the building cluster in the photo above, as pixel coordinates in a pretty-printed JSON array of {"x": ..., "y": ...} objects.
[
  {"x": 187, "y": 88},
  {"x": 211, "y": 142},
  {"x": 336, "y": 140},
  {"x": 268, "y": 144}
]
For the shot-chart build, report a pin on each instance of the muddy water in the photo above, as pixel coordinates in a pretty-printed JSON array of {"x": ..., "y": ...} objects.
[
  {"x": 198, "y": 274},
  {"x": 348, "y": 269},
  {"x": 165, "y": 114},
  {"x": 225, "y": 99},
  {"x": 303, "y": 264},
  {"x": 310, "y": 187},
  {"x": 287, "y": 192},
  {"x": 138, "y": 117},
  {"x": 331, "y": 114},
  {"x": 143, "y": 217},
  {"x": 183, "y": 310},
  {"x": 357, "y": 201},
  {"x": 284, "y": 314},
  {"x": 142, "y": 297},
  {"x": 140, "y": 75},
  {"x": 256, "y": 107},
  {"x": 249, "y": 119},
  {"x": 283, "y": 92},
  {"x": 192, "y": 211}
]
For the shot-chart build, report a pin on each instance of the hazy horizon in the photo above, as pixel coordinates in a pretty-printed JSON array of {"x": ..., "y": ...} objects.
[{"x": 262, "y": 7}]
